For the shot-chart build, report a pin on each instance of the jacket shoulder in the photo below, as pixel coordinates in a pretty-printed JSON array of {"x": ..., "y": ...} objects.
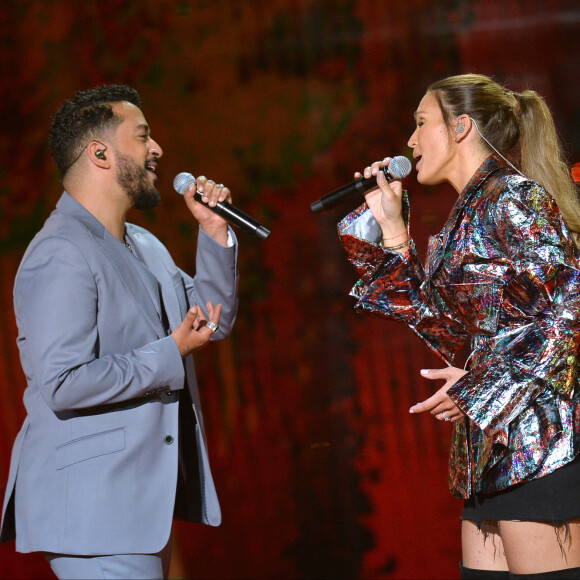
[{"x": 503, "y": 187}]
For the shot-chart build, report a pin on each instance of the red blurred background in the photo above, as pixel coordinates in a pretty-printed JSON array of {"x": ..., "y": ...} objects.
[{"x": 321, "y": 471}]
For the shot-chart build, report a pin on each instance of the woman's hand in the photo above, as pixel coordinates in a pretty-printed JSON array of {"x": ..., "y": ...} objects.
[
  {"x": 439, "y": 404},
  {"x": 385, "y": 201}
]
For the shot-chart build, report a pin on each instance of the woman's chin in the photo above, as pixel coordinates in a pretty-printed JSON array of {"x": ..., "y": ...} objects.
[
  {"x": 426, "y": 179},
  {"x": 422, "y": 178}
]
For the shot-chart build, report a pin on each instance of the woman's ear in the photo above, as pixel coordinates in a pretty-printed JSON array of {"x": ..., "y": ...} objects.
[{"x": 462, "y": 127}]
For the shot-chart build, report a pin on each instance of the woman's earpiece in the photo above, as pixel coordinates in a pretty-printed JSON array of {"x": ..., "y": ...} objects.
[{"x": 459, "y": 129}]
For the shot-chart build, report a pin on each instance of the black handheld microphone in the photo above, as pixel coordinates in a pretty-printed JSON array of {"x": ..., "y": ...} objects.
[
  {"x": 398, "y": 168},
  {"x": 235, "y": 216}
]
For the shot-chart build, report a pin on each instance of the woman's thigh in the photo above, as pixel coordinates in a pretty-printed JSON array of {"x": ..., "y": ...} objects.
[
  {"x": 482, "y": 550},
  {"x": 534, "y": 547}
]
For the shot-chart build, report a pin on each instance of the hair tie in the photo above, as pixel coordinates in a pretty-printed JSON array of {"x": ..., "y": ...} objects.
[{"x": 514, "y": 103}]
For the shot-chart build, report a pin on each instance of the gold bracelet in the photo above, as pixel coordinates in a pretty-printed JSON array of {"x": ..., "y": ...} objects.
[
  {"x": 400, "y": 246},
  {"x": 394, "y": 237}
]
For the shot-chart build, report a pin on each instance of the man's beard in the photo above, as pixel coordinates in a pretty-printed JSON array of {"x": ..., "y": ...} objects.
[{"x": 135, "y": 181}]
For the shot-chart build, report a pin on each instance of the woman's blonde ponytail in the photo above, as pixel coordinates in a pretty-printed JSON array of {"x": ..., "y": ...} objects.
[{"x": 542, "y": 159}]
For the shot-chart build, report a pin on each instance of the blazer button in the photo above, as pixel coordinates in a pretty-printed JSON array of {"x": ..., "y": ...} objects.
[{"x": 168, "y": 439}]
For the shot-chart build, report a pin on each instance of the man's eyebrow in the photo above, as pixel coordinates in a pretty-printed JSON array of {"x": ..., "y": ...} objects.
[
  {"x": 417, "y": 113},
  {"x": 142, "y": 127}
]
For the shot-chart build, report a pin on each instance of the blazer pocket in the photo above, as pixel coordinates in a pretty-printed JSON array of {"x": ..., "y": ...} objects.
[{"x": 90, "y": 446}]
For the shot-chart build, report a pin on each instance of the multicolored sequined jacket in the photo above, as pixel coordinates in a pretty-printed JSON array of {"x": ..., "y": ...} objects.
[{"x": 503, "y": 273}]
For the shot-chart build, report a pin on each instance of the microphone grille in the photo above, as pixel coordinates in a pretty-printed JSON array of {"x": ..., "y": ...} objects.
[
  {"x": 399, "y": 167},
  {"x": 182, "y": 182}
]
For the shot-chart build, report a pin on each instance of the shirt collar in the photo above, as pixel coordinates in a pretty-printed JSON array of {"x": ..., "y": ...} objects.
[{"x": 490, "y": 165}]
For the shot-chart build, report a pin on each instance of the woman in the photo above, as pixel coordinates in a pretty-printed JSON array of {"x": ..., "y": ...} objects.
[{"x": 504, "y": 274}]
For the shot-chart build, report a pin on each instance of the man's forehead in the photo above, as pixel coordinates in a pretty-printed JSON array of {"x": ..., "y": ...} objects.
[{"x": 130, "y": 113}]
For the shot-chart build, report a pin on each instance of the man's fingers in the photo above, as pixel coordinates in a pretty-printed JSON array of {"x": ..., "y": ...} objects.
[
  {"x": 226, "y": 195},
  {"x": 195, "y": 318},
  {"x": 214, "y": 312},
  {"x": 201, "y": 181},
  {"x": 191, "y": 316},
  {"x": 217, "y": 313}
]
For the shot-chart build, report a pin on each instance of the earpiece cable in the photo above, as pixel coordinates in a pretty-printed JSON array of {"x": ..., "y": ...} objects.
[{"x": 506, "y": 160}]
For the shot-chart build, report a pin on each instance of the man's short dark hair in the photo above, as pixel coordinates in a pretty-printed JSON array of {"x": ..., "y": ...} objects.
[{"x": 88, "y": 115}]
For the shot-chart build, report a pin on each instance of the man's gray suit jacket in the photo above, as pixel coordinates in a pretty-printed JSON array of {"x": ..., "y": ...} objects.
[{"x": 94, "y": 469}]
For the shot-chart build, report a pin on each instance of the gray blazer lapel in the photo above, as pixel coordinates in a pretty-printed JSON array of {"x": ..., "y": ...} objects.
[
  {"x": 156, "y": 265},
  {"x": 120, "y": 259}
]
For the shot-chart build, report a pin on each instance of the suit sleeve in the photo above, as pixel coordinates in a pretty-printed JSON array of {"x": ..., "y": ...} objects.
[
  {"x": 216, "y": 279},
  {"x": 57, "y": 308}
]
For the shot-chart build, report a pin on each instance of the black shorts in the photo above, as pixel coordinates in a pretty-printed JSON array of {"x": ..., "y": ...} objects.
[{"x": 554, "y": 498}]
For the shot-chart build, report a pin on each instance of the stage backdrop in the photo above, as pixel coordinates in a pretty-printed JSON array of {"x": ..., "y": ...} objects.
[{"x": 321, "y": 471}]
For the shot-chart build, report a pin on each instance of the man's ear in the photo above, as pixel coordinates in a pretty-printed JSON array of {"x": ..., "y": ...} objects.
[{"x": 97, "y": 153}]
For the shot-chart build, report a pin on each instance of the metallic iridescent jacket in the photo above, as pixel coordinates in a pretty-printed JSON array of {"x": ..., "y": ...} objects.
[{"x": 503, "y": 273}]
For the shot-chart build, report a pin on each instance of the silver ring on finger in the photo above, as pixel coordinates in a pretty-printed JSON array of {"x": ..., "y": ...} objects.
[
  {"x": 445, "y": 416},
  {"x": 212, "y": 326}
]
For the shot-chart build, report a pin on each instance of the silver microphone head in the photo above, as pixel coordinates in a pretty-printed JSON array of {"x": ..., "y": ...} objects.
[
  {"x": 399, "y": 167},
  {"x": 183, "y": 181}
]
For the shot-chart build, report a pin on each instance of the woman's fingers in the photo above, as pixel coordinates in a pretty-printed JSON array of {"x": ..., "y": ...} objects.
[{"x": 440, "y": 405}]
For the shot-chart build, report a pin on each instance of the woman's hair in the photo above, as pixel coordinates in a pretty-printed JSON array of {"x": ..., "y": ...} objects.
[
  {"x": 518, "y": 125},
  {"x": 88, "y": 115}
]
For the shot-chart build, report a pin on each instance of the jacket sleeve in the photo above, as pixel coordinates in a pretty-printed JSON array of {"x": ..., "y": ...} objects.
[
  {"x": 57, "y": 307},
  {"x": 392, "y": 285},
  {"x": 541, "y": 297},
  {"x": 216, "y": 279}
]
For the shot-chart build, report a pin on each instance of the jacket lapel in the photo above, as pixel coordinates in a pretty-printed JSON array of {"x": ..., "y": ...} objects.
[
  {"x": 156, "y": 264},
  {"x": 120, "y": 258},
  {"x": 438, "y": 244}
]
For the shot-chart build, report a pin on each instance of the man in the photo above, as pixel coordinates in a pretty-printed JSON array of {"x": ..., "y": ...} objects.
[{"x": 113, "y": 445}]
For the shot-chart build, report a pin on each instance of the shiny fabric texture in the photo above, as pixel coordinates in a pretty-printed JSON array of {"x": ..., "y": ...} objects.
[{"x": 504, "y": 274}]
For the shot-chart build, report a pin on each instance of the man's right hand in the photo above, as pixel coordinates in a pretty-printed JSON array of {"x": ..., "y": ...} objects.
[{"x": 194, "y": 333}]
